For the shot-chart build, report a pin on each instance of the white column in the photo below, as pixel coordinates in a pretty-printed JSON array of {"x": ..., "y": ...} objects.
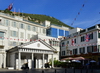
[
  {"x": 43, "y": 61},
  {"x": 52, "y": 62},
  {"x": 19, "y": 60},
  {"x": 32, "y": 61}
]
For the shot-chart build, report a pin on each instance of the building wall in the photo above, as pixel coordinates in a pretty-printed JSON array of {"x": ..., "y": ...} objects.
[
  {"x": 1, "y": 61},
  {"x": 19, "y": 31},
  {"x": 67, "y": 45}
]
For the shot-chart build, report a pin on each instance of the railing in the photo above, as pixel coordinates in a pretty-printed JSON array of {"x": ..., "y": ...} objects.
[
  {"x": 93, "y": 27},
  {"x": 82, "y": 31},
  {"x": 32, "y": 22}
]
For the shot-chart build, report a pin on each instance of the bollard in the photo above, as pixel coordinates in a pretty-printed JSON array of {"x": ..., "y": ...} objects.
[
  {"x": 65, "y": 70},
  {"x": 86, "y": 70},
  {"x": 42, "y": 71},
  {"x": 81, "y": 70},
  {"x": 91, "y": 70},
  {"x": 73, "y": 70},
  {"x": 55, "y": 70}
]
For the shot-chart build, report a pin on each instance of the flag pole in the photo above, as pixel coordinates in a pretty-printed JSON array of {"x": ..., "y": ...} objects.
[{"x": 19, "y": 12}]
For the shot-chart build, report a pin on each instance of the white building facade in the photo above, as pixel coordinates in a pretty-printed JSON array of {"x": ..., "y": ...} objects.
[
  {"x": 82, "y": 42},
  {"x": 14, "y": 30}
]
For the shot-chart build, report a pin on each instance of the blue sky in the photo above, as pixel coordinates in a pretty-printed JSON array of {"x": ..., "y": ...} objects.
[{"x": 64, "y": 10}]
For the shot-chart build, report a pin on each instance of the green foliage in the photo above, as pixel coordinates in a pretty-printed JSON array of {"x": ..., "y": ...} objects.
[
  {"x": 42, "y": 18},
  {"x": 56, "y": 62},
  {"x": 7, "y": 11}
]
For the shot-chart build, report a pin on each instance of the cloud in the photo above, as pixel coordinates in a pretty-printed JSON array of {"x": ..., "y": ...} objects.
[
  {"x": 67, "y": 21},
  {"x": 86, "y": 24},
  {"x": 82, "y": 24}
]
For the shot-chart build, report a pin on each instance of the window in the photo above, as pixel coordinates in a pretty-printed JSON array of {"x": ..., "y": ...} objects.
[
  {"x": 48, "y": 32},
  {"x": 29, "y": 28},
  {"x": 22, "y": 26},
  {"x": 82, "y": 50},
  {"x": 7, "y": 23},
  {"x": 63, "y": 53},
  {"x": 91, "y": 36},
  {"x": 44, "y": 31},
  {"x": 98, "y": 47},
  {"x": 67, "y": 42},
  {"x": 1, "y": 35},
  {"x": 21, "y": 35},
  {"x": 34, "y": 28},
  {"x": 14, "y": 33},
  {"x": 99, "y": 34},
  {"x": 74, "y": 51},
  {"x": 54, "y": 32},
  {"x": 52, "y": 43},
  {"x": 0, "y": 22},
  {"x": 95, "y": 49},
  {"x": 61, "y": 32},
  {"x": 14, "y": 24},
  {"x": 13, "y": 43},
  {"x": 66, "y": 33},
  {"x": 74, "y": 40},
  {"x": 63, "y": 44},
  {"x": 90, "y": 49},
  {"x": 82, "y": 38}
]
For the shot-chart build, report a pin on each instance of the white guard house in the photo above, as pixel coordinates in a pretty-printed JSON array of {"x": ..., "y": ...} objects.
[{"x": 34, "y": 53}]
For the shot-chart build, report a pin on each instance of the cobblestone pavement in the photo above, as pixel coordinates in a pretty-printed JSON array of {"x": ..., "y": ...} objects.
[{"x": 57, "y": 70}]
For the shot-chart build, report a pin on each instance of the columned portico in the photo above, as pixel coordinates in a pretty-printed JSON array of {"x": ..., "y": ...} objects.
[{"x": 36, "y": 57}]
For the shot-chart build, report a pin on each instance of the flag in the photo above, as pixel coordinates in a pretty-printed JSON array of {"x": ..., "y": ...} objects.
[
  {"x": 87, "y": 38},
  {"x": 10, "y": 6},
  {"x": 72, "y": 41}
]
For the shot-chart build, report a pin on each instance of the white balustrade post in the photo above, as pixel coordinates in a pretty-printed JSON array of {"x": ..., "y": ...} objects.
[
  {"x": 52, "y": 62},
  {"x": 43, "y": 61}
]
